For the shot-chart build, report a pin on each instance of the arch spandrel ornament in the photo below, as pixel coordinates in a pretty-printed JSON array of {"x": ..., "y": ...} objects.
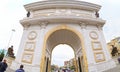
[
  {"x": 93, "y": 35},
  {"x": 32, "y": 35}
]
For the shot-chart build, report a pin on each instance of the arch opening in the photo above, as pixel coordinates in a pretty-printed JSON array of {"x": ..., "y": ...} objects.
[
  {"x": 61, "y": 53},
  {"x": 63, "y": 36}
]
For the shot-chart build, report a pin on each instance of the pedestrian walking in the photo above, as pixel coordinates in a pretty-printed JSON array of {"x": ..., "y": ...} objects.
[
  {"x": 20, "y": 69},
  {"x": 119, "y": 60},
  {"x": 3, "y": 66}
]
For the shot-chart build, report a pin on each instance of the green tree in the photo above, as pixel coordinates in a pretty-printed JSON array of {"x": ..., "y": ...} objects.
[
  {"x": 2, "y": 53},
  {"x": 72, "y": 67},
  {"x": 114, "y": 50}
]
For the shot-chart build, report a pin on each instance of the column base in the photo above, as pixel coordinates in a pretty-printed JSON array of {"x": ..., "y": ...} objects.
[
  {"x": 28, "y": 68},
  {"x": 9, "y": 60}
]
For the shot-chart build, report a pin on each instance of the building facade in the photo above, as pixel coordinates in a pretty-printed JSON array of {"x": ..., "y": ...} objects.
[{"x": 116, "y": 43}]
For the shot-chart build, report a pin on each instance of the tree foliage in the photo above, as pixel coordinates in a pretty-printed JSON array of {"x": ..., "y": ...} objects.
[
  {"x": 114, "y": 50},
  {"x": 72, "y": 67},
  {"x": 2, "y": 53}
]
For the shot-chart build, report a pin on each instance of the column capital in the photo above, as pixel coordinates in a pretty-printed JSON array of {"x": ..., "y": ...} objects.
[
  {"x": 83, "y": 25},
  {"x": 99, "y": 26},
  {"x": 26, "y": 26},
  {"x": 43, "y": 24}
]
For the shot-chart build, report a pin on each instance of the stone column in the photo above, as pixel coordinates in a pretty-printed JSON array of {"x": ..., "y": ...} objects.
[
  {"x": 83, "y": 27},
  {"x": 43, "y": 50}
]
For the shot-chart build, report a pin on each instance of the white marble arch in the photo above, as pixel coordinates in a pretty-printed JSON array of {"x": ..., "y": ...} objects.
[{"x": 69, "y": 22}]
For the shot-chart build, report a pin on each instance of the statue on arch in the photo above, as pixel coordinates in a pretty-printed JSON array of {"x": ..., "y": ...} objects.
[
  {"x": 97, "y": 14},
  {"x": 10, "y": 52},
  {"x": 28, "y": 14}
]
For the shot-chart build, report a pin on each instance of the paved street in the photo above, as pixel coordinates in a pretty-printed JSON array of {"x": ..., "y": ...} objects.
[
  {"x": 116, "y": 69},
  {"x": 9, "y": 70}
]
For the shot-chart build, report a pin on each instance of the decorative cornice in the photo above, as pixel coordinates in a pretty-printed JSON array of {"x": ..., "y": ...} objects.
[
  {"x": 73, "y": 4},
  {"x": 62, "y": 19}
]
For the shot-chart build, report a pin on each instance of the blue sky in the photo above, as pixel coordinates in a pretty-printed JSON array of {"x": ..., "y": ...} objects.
[{"x": 11, "y": 11}]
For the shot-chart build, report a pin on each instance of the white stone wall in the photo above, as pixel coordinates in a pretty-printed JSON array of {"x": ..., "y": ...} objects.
[{"x": 85, "y": 31}]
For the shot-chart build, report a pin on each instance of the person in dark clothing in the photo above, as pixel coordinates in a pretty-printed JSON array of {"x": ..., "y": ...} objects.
[
  {"x": 119, "y": 60},
  {"x": 20, "y": 69},
  {"x": 3, "y": 66}
]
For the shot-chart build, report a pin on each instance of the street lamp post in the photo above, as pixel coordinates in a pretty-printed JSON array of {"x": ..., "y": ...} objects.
[{"x": 13, "y": 30}]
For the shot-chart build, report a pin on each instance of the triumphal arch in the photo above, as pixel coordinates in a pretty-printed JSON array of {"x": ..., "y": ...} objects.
[{"x": 53, "y": 22}]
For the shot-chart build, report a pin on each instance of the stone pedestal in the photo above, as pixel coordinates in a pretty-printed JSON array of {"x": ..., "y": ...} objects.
[{"x": 9, "y": 60}]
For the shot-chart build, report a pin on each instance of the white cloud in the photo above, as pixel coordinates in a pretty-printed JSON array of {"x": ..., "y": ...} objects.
[
  {"x": 11, "y": 13},
  {"x": 111, "y": 30},
  {"x": 110, "y": 12}
]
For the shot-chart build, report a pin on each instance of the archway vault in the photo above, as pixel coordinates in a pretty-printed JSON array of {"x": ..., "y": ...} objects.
[{"x": 63, "y": 34}]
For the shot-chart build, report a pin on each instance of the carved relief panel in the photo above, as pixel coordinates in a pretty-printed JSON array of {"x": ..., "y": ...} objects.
[
  {"x": 63, "y": 12},
  {"x": 97, "y": 47},
  {"x": 99, "y": 57},
  {"x": 29, "y": 47},
  {"x": 27, "y": 57}
]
